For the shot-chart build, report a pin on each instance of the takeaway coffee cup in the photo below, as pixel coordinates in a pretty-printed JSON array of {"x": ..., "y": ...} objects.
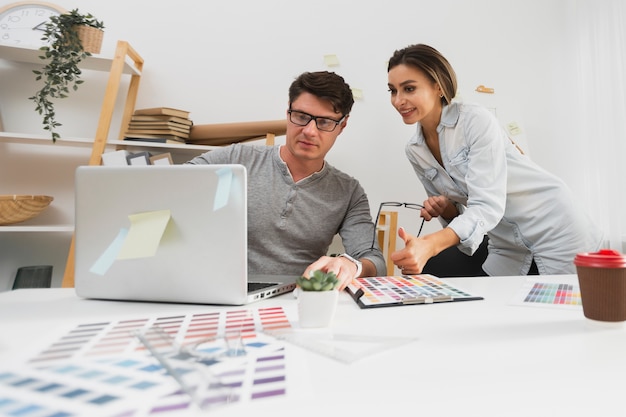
[{"x": 602, "y": 279}]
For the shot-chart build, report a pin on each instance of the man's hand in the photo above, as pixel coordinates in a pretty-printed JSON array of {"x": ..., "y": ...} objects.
[{"x": 342, "y": 267}]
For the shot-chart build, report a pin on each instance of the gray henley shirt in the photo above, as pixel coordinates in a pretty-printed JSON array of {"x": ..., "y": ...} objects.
[{"x": 292, "y": 224}]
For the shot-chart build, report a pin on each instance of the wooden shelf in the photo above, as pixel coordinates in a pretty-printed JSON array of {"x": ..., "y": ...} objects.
[
  {"x": 31, "y": 56},
  {"x": 35, "y": 139},
  {"x": 125, "y": 144},
  {"x": 179, "y": 152}
]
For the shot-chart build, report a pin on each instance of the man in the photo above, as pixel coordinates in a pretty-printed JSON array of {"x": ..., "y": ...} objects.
[{"x": 297, "y": 202}]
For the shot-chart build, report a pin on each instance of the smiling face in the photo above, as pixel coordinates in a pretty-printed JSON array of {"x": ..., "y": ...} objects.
[
  {"x": 416, "y": 97},
  {"x": 307, "y": 144}
]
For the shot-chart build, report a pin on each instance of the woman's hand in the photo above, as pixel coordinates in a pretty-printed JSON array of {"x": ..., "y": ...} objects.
[
  {"x": 418, "y": 250},
  {"x": 436, "y": 206},
  {"x": 413, "y": 258}
]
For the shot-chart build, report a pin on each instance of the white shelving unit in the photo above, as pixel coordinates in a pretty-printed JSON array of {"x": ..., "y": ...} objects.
[
  {"x": 48, "y": 238},
  {"x": 184, "y": 150},
  {"x": 31, "y": 56}
]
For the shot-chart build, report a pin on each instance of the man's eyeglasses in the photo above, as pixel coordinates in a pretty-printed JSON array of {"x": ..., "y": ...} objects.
[
  {"x": 412, "y": 206},
  {"x": 323, "y": 123}
]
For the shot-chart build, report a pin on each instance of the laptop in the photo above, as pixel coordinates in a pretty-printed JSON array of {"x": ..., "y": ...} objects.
[{"x": 166, "y": 233}]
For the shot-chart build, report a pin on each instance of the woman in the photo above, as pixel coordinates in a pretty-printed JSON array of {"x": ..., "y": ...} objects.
[{"x": 478, "y": 182}]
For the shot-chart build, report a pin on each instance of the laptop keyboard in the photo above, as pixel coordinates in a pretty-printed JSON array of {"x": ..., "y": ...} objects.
[{"x": 254, "y": 286}]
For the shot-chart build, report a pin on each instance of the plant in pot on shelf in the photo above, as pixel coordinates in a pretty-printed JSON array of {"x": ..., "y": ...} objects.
[
  {"x": 317, "y": 299},
  {"x": 72, "y": 37}
]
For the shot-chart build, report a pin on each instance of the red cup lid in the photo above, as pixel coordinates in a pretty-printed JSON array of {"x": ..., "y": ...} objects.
[{"x": 605, "y": 258}]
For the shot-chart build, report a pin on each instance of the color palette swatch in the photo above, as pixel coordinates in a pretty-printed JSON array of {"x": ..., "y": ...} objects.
[
  {"x": 104, "y": 339},
  {"x": 538, "y": 292},
  {"x": 405, "y": 290},
  {"x": 81, "y": 387},
  {"x": 553, "y": 294},
  {"x": 103, "y": 368}
]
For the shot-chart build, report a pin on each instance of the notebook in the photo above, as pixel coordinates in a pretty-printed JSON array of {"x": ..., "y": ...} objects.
[{"x": 166, "y": 233}]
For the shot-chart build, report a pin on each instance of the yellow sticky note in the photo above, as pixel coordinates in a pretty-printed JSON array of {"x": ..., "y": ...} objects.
[
  {"x": 357, "y": 93},
  {"x": 331, "y": 60},
  {"x": 144, "y": 235},
  {"x": 513, "y": 128}
]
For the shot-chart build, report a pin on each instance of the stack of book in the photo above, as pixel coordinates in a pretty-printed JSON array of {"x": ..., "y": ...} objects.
[{"x": 159, "y": 124}]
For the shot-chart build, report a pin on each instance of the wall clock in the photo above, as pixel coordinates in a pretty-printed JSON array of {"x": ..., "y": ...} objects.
[{"x": 23, "y": 23}]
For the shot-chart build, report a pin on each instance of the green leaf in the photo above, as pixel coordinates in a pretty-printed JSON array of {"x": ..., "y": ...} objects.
[
  {"x": 304, "y": 283},
  {"x": 318, "y": 281},
  {"x": 61, "y": 73}
]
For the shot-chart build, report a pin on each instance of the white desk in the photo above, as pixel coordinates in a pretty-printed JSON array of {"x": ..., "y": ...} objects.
[{"x": 487, "y": 358}]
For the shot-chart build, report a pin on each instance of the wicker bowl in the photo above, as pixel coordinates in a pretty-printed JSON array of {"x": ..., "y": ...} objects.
[{"x": 19, "y": 208}]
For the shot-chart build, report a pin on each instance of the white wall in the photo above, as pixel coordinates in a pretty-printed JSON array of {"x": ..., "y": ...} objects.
[{"x": 233, "y": 61}]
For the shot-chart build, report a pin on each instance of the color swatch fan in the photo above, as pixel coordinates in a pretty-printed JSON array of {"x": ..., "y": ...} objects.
[{"x": 390, "y": 291}]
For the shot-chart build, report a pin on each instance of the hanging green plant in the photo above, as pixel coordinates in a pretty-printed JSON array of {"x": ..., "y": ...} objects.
[{"x": 61, "y": 73}]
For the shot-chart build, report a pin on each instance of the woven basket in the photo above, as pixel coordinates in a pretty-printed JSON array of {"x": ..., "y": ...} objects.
[
  {"x": 90, "y": 38},
  {"x": 19, "y": 208}
]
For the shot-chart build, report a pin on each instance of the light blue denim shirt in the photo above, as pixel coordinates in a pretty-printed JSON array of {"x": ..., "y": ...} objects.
[{"x": 526, "y": 211}]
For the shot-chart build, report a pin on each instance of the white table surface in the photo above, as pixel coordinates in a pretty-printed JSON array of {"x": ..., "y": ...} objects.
[{"x": 487, "y": 358}]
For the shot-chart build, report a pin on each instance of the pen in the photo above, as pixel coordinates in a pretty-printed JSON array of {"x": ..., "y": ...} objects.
[{"x": 427, "y": 300}]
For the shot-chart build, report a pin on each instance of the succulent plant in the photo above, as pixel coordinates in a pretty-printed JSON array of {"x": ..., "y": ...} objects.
[{"x": 318, "y": 281}]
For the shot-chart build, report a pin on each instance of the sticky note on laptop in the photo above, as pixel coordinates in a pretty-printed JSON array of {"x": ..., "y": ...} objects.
[{"x": 144, "y": 235}]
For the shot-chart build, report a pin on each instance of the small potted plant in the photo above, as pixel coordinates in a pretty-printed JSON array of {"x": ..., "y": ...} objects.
[
  {"x": 317, "y": 298},
  {"x": 72, "y": 37}
]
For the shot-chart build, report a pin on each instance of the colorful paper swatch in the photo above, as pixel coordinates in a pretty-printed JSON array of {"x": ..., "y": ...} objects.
[
  {"x": 104, "y": 339},
  {"x": 404, "y": 290},
  {"x": 103, "y": 368},
  {"x": 539, "y": 292},
  {"x": 547, "y": 293}
]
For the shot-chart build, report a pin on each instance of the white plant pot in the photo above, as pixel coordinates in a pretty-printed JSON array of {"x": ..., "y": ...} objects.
[{"x": 317, "y": 308}]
